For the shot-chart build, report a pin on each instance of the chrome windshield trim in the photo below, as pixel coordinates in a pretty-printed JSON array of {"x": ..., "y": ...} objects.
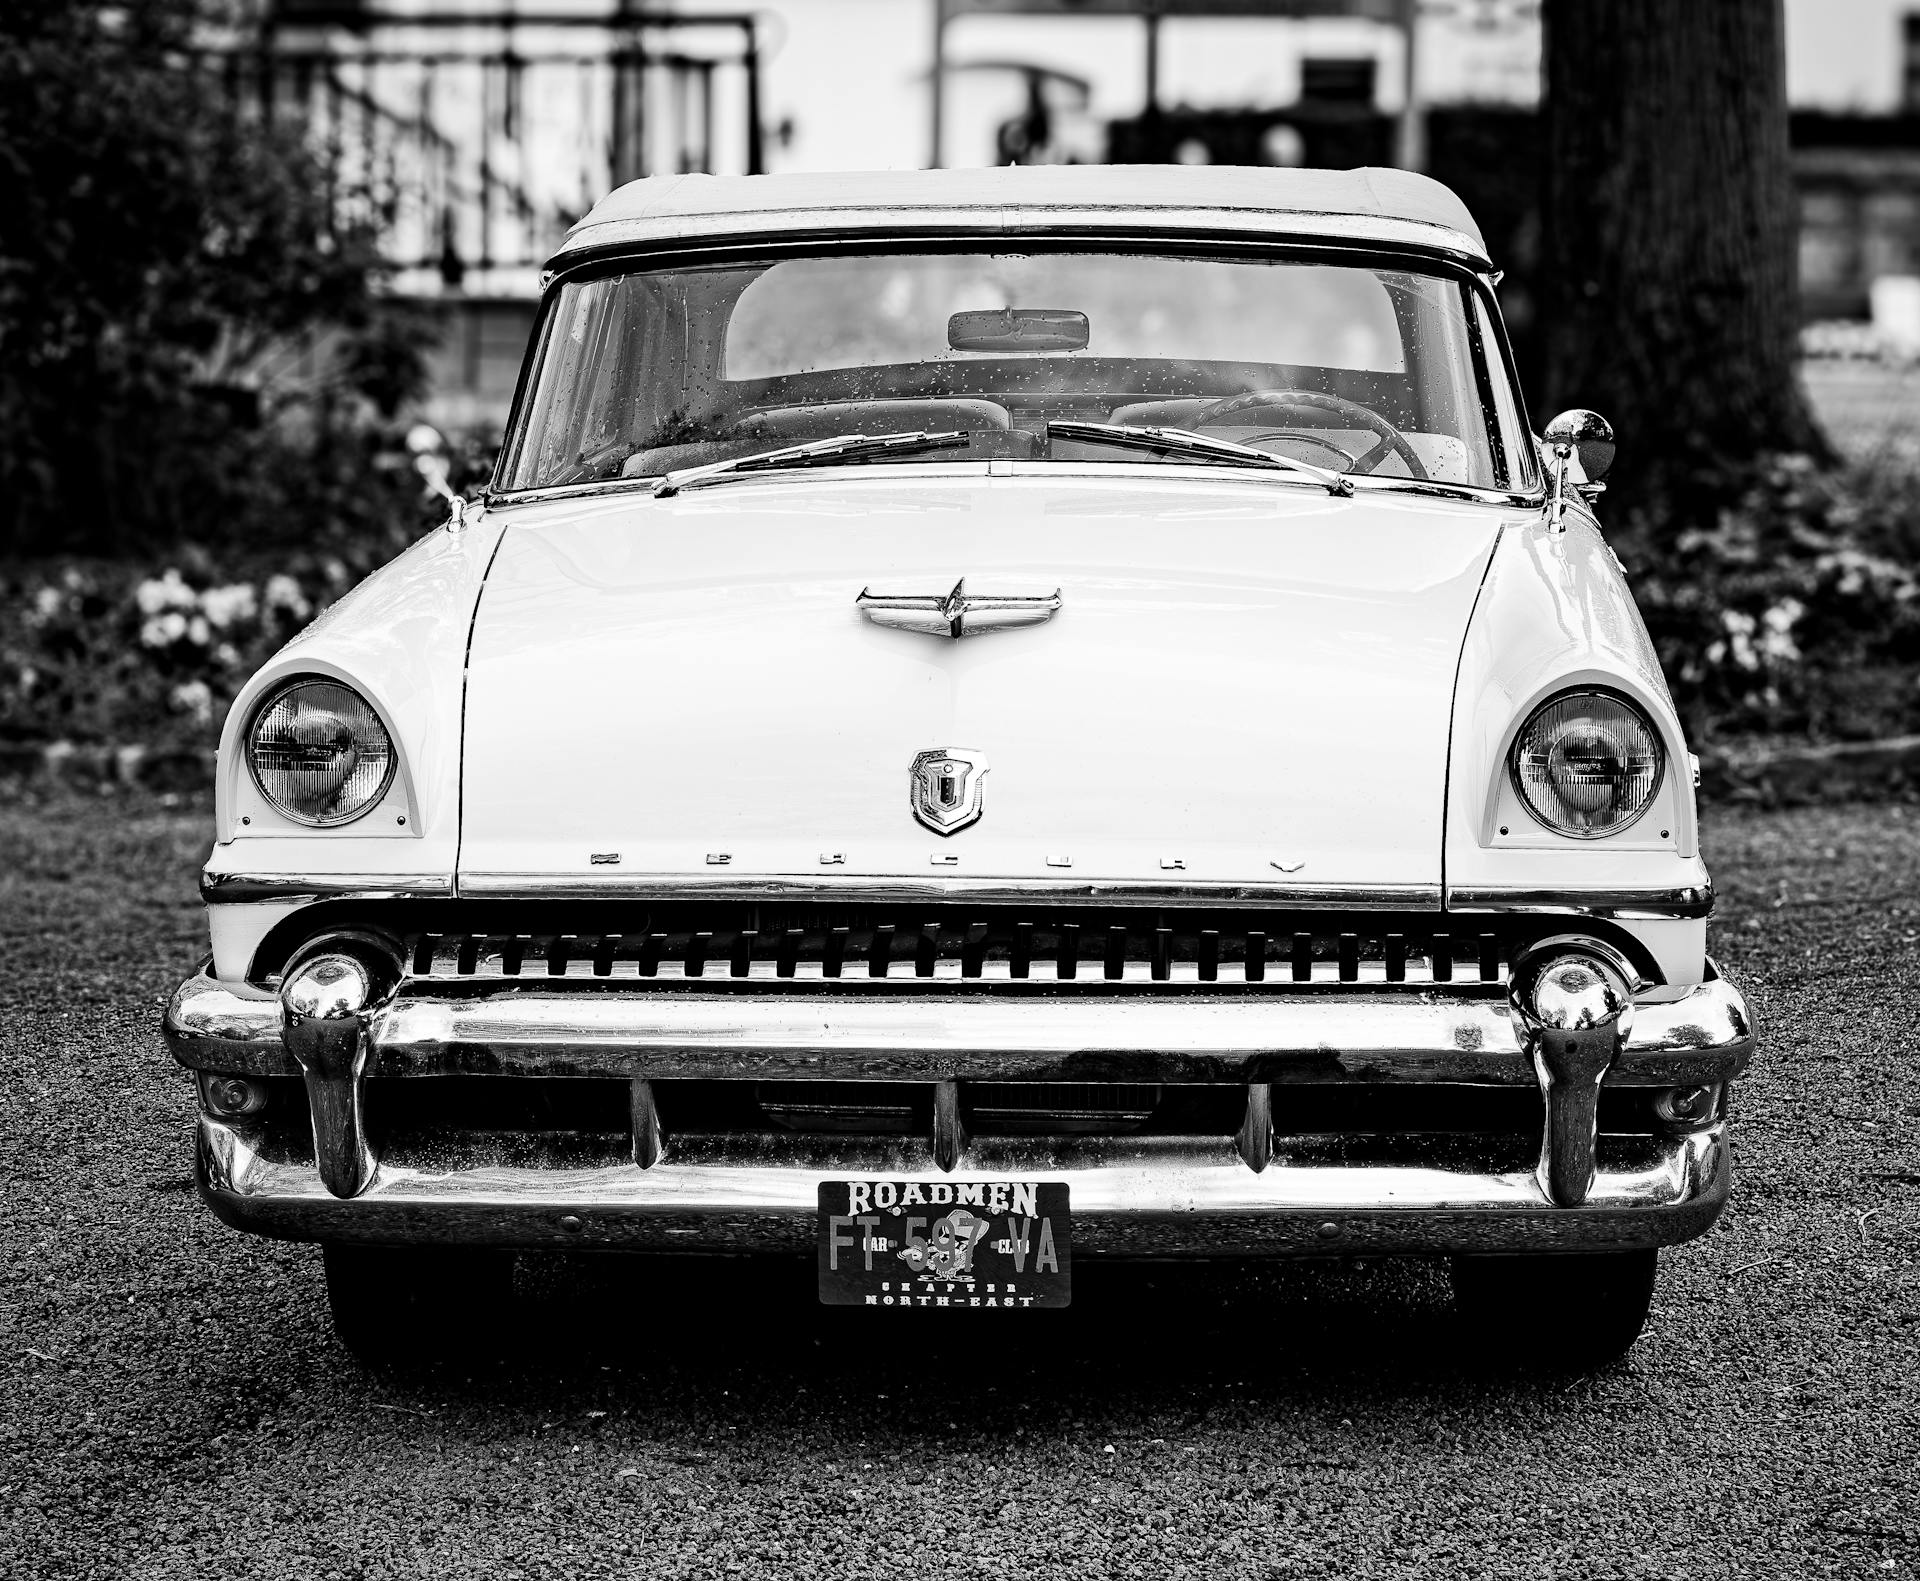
[
  {"x": 1064, "y": 891},
  {"x": 1373, "y": 483},
  {"x": 1686, "y": 902},
  {"x": 889, "y": 471},
  {"x": 246, "y": 889}
]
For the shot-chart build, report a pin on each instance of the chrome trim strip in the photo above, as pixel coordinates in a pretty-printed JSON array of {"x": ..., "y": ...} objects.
[
  {"x": 545, "y": 1027},
  {"x": 987, "y": 223},
  {"x": 1624, "y": 905},
  {"x": 1155, "y": 1196},
  {"x": 246, "y": 889},
  {"x": 1690, "y": 901},
  {"x": 1045, "y": 891}
]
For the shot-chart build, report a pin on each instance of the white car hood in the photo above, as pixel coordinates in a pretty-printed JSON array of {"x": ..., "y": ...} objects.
[{"x": 1248, "y": 683}]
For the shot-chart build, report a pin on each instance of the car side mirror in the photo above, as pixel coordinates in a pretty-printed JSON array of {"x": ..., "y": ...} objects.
[{"x": 1576, "y": 437}]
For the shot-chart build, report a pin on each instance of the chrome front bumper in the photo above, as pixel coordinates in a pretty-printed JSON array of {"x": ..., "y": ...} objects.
[{"x": 1264, "y": 1191}]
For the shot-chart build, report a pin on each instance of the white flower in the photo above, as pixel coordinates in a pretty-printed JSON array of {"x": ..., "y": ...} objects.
[
  {"x": 1776, "y": 643},
  {"x": 284, "y": 593},
  {"x": 163, "y": 592},
  {"x": 224, "y": 605},
  {"x": 28, "y": 676},
  {"x": 227, "y": 653},
  {"x": 1740, "y": 629},
  {"x": 198, "y": 631},
  {"x": 196, "y": 698},
  {"x": 47, "y": 603},
  {"x": 1783, "y": 614},
  {"x": 162, "y": 630}
]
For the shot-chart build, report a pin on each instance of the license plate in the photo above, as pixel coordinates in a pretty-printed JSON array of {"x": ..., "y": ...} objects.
[{"x": 945, "y": 1243}]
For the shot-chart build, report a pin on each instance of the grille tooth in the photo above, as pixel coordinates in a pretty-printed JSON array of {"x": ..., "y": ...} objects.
[
  {"x": 1209, "y": 955},
  {"x": 1020, "y": 959},
  {"x": 1489, "y": 958},
  {"x": 1067, "y": 958},
  {"x": 1396, "y": 953},
  {"x": 1349, "y": 957},
  {"x": 1441, "y": 946},
  {"x": 742, "y": 956},
  {"x": 424, "y": 950},
  {"x": 1301, "y": 958},
  {"x": 880, "y": 952},
  {"x": 833, "y": 951},
  {"x": 1256, "y": 956},
  {"x": 559, "y": 949},
  {"x": 1162, "y": 954},
  {"x": 787, "y": 961},
  {"x": 1116, "y": 964},
  {"x": 926, "y": 950}
]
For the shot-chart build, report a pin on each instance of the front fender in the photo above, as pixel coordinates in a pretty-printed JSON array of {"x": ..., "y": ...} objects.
[{"x": 1555, "y": 612}]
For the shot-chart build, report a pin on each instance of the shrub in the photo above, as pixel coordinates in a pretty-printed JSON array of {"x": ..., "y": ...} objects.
[
  {"x": 150, "y": 650},
  {"x": 181, "y": 284},
  {"x": 1795, "y": 609}
]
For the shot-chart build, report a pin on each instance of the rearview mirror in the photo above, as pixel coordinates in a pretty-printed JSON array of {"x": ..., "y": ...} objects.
[
  {"x": 1576, "y": 437},
  {"x": 1018, "y": 329},
  {"x": 1591, "y": 437}
]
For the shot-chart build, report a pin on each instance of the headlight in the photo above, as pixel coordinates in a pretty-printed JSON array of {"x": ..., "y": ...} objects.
[
  {"x": 1587, "y": 764},
  {"x": 319, "y": 752}
]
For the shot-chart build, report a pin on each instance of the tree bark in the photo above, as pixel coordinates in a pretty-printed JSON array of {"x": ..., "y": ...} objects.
[{"x": 1670, "y": 300}]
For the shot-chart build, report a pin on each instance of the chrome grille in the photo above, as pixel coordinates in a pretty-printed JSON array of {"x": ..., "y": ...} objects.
[{"x": 1103, "y": 947}]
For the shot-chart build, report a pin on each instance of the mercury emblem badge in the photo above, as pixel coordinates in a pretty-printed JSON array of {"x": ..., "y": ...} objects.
[{"x": 946, "y": 788}]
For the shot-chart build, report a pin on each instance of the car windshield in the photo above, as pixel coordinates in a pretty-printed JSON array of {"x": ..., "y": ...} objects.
[{"x": 1371, "y": 370}]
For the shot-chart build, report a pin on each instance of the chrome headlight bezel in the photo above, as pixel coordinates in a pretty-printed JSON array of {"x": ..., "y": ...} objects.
[
  {"x": 250, "y": 742},
  {"x": 1567, "y": 824}
]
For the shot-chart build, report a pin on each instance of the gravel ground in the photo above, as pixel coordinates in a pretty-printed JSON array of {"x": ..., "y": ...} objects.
[{"x": 175, "y": 1404}]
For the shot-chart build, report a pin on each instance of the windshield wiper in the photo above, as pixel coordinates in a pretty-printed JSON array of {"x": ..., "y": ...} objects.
[
  {"x": 1181, "y": 441},
  {"x": 809, "y": 454}
]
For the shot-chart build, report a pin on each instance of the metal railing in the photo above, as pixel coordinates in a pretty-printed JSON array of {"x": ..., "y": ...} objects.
[{"x": 470, "y": 140}]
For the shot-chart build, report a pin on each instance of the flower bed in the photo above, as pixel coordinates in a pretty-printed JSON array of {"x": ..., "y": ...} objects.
[
  {"x": 1794, "y": 610},
  {"x": 1790, "y": 615},
  {"x": 104, "y": 654}
]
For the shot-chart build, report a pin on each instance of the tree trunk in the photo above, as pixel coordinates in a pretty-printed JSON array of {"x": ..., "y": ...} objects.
[{"x": 1670, "y": 301}]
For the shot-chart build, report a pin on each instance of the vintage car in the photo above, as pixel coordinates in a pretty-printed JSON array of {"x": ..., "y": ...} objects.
[{"x": 984, "y": 720}]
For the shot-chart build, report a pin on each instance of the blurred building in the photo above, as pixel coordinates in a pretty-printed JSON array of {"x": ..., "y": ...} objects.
[
  {"x": 480, "y": 129},
  {"x": 474, "y": 132}
]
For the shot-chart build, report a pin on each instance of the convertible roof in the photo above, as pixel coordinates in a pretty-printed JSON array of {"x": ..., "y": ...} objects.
[{"x": 1367, "y": 205}]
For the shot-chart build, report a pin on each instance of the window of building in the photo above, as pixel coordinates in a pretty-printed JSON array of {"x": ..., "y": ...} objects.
[
  {"x": 1910, "y": 58},
  {"x": 1328, "y": 81}
]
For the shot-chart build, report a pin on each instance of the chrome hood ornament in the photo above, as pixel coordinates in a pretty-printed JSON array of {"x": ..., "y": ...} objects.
[
  {"x": 946, "y": 787},
  {"x": 955, "y": 614}
]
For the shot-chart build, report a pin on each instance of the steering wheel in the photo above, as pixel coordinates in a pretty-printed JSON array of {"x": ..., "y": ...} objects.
[{"x": 1392, "y": 441}]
